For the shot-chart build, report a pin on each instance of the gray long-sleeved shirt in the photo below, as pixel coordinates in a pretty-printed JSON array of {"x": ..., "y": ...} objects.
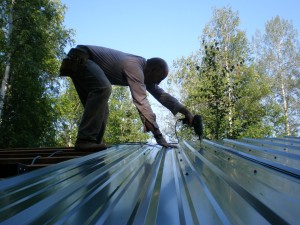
[{"x": 127, "y": 70}]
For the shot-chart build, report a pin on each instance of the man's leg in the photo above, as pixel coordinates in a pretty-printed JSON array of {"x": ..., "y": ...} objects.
[
  {"x": 103, "y": 126},
  {"x": 94, "y": 90}
]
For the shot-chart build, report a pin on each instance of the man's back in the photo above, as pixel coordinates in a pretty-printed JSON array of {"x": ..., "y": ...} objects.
[{"x": 115, "y": 63}]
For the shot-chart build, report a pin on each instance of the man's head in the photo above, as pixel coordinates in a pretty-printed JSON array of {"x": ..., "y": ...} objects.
[{"x": 155, "y": 71}]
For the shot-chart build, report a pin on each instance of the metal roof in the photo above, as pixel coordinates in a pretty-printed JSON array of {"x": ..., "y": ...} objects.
[
  {"x": 248, "y": 181},
  {"x": 20, "y": 160}
]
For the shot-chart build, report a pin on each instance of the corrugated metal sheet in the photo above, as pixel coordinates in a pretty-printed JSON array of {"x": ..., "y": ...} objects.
[
  {"x": 245, "y": 181},
  {"x": 20, "y": 160}
]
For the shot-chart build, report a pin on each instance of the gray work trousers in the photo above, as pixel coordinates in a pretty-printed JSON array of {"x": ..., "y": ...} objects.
[{"x": 94, "y": 90}]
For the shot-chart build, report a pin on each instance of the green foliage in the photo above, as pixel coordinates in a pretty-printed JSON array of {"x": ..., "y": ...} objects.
[
  {"x": 216, "y": 90},
  {"x": 69, "y": 111},
  {"x": 220, "y": 83},
  {"x": 251, "y": 88},
  {"x": 124, "y": 124},
  {"x": 36, "y": 44}
]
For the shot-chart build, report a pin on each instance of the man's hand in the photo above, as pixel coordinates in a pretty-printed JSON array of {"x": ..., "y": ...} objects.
[
  {"x": 161, "y": 141},
  {"x": 189, "y": 116}
]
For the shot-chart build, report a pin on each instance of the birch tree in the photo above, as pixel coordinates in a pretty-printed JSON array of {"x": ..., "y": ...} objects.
[
  {"x": 34, "y": 42},
  {"x": 278, "y": 55},
  {"x": 232, "y": 44}
]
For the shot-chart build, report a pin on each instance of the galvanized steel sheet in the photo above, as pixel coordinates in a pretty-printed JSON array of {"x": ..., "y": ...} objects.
[{"x": 248, "y": 181}]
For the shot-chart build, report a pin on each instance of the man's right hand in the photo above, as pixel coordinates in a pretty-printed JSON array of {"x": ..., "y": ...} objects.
[{"x": 189, "y": 116}]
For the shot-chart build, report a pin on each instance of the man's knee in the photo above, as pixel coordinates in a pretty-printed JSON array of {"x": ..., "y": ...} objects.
[
  {"x": 102, "y": 92},
  {"x": 108, "y": 90}
]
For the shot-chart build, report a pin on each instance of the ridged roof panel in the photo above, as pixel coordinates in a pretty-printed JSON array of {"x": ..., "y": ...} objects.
[{"x": 249, "y": 181}]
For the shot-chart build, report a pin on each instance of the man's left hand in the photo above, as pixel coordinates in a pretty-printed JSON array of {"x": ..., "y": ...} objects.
[{"x": 162, "y": 141}]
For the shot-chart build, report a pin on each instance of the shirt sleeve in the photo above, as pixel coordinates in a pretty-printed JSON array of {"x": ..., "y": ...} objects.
[
  {"x": 135, "y": 78},
  {"x": 165, "y": 99}
]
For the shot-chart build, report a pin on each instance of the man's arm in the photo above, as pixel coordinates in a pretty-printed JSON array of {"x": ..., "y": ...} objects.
[
  {"x": 169, "y": 102},
  {"x": 135, "y": 79},
  {"x": 146, "y": 113}
]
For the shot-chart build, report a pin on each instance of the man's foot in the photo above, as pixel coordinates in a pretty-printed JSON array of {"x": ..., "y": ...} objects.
[{"x": 86, "y": 145}]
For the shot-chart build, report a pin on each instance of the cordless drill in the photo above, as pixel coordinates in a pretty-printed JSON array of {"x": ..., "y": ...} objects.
[{"x": 197, "y": 124}]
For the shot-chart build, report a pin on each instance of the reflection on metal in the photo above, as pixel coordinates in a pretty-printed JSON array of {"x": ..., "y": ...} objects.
[{"x": 245, "y": 181}]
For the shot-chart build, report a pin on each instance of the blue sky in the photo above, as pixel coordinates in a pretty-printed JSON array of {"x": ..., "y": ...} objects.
[{"x": 168, "y": 29}]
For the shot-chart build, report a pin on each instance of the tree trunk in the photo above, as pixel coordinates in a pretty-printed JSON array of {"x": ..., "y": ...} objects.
[
  {"x": 283, "y": 93},
  {"x": 4, "y": 86},
  {"x": 230, "y": 113},
  {"x": 285, "y": 108},
  {"x": 7, "y": 68}
]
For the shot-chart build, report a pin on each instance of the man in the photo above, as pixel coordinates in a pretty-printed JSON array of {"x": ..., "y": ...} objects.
[{"x": 94, "y": 69}]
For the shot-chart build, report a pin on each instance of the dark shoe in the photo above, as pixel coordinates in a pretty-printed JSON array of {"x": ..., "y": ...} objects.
[{"x": 86, "y": 145}]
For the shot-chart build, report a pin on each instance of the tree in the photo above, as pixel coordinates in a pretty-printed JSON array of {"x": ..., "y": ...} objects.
[
  {"x": 278, "y": 56},
  {"x": 124, "y": 124},
  {"x": 231, "y": 45},
  {"x": 34, "y": 44},
  {"x": 220, "y": 83}
]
